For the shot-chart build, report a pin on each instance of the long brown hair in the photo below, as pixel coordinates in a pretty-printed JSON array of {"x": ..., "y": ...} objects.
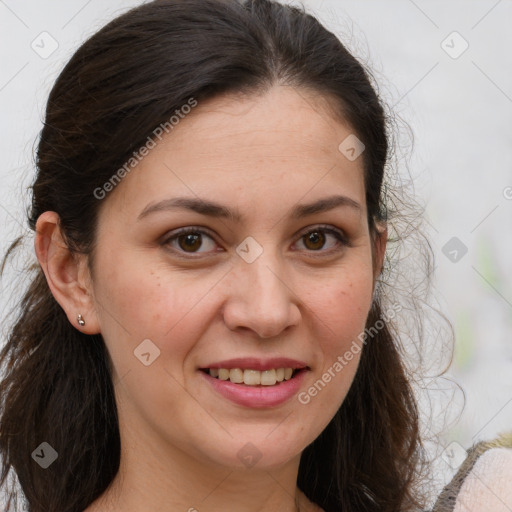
[{"x": 120, "y": 84}]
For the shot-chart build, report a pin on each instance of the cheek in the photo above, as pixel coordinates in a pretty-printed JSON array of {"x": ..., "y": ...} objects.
[
  {"x": 342, "y": 307},
  {"x": 139, "y": 301},
  {"x": 341, "y": 311}
]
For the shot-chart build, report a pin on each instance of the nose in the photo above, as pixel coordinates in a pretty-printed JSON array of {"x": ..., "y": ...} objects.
[{"x": 261, "y": 298}]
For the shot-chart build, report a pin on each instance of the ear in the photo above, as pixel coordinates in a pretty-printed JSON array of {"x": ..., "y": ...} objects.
[
  {"x": 380, "y": 240},
  {"x": 67, "y": 273}
]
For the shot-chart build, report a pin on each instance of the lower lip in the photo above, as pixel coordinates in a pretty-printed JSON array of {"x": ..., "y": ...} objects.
[{"x": 257, "y": 396}]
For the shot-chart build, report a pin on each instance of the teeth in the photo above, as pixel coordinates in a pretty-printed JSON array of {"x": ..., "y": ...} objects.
[
  {"x": 252, "y": 377},
  {"x": 236, "y": 375},
  {"x": 268, "y": 378}
]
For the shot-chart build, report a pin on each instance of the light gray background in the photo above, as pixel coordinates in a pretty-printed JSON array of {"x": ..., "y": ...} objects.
[{"x": 460, "y": 110}]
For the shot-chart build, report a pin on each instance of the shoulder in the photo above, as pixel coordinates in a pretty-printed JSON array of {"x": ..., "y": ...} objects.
[{"x": 484, "y": 481}]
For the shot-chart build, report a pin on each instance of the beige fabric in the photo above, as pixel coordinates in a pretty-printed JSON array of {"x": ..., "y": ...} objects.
[
  {"x": 488, "y": 488},
  {"x": 484, "y": 480}
]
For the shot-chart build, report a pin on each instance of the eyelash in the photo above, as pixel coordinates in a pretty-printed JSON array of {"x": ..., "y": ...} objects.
[{"x": 338, "y": 234}]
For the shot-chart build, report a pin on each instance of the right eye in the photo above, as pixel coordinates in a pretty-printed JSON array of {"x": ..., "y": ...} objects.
[{"x": 188, "y": 240}]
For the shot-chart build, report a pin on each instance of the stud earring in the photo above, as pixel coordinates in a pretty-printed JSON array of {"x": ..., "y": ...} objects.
[{"x": 80, "y": 320}]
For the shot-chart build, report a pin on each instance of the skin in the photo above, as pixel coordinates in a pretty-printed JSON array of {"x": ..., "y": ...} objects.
[{"x": 262, "y": 154}]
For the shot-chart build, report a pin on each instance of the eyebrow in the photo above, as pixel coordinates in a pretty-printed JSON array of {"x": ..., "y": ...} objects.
[{"x": 212, "y": 209}]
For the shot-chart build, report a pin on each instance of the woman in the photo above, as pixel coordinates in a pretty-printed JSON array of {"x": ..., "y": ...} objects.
[{"x": 205, "y": 329}]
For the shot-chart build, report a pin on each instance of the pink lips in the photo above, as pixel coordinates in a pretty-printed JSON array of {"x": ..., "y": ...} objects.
[
  {"x": 254, "y": 363},
  {"x": 258, "y": 396}
]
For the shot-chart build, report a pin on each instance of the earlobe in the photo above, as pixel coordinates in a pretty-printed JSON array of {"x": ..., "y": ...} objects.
[{"x": 64, "y": 272}]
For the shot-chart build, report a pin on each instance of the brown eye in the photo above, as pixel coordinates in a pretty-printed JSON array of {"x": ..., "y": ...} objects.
[
  {"x": 190, "y": 240},
  {"x": 316, "y": 239}
]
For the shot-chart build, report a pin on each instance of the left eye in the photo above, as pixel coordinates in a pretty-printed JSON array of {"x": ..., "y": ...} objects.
[
  {"x": 316, "y": 237},
  {"x": 189, "y": 240}
]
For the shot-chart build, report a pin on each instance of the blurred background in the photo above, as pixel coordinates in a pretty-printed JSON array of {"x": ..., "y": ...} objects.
[{"x": 444, "y": 69}]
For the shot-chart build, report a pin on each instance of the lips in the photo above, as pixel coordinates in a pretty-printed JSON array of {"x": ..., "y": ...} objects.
[
  {"x": 254, "y": 363},
  {"x": 256, "y": 383}
]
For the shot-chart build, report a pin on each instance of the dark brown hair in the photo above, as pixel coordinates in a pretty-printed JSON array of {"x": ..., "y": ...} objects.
[{"x": 119, "y": 85}]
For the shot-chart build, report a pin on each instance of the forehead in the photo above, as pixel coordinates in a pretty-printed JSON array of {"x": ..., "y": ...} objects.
[
  {"x": 283, "y": 122},
  {"x": 241, "y": 148}
]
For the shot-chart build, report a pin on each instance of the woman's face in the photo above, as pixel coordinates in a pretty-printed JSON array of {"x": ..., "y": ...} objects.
[{"x": 250, "y": 286}]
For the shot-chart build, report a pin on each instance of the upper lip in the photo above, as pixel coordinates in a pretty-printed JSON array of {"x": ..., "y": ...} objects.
[{"x": 255, "y": 363}]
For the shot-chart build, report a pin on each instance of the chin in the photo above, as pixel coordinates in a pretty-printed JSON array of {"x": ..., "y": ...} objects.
[{"x": 258, "y": 448}]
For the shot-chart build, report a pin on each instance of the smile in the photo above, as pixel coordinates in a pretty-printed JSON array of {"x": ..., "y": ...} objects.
[
  {"x": 251, "y": 377},
  {"x": 255, "y": 394}
]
